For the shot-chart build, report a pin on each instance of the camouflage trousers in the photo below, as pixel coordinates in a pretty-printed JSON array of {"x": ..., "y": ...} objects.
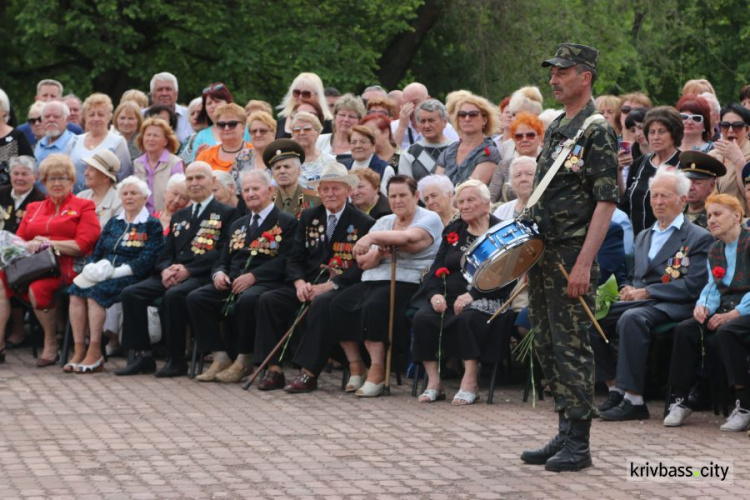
[{"x": 561, "y": 338}]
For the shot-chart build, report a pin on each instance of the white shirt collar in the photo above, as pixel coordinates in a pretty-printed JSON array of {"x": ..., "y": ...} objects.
[
  {"x": 17, "y": 200},
  {"x": 263, "y": 214},
  {"x": 337, "y": 214},
  {"x": 676, "y": 223},
  {"x": 139, "y": 219},
  {"x": 203, "y": 203}
]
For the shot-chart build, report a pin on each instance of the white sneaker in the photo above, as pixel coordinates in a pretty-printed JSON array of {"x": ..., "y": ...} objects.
[
  {"x": 677, "y": 414},
  {"x": 738, "y": 421}
]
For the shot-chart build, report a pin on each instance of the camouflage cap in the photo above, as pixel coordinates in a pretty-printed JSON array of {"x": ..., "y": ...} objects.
[{"x": 570, "y": 54}]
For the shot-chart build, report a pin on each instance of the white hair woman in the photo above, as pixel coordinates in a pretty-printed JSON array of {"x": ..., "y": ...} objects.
[
  {"x": 125, "y": 254},
  {"x": 436, "y": 192},
  {"x": 225, "y": 189},
  {"x": 521, "y": 174},
  {"x": 12, "y": 141},
  {"x": 306, "y": 129},
  {"x": 175, "y": 198}
]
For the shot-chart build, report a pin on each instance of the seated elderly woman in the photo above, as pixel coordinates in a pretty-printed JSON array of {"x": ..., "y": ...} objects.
[
  {"x": 721, "y": 317},
  {"x": 475, "y": 156},
  {"x": 367, "y": 197},
  {"x": 362, "y": 140},
  {"x": 125, "y": 254},
  {"x": 527, "y": 133},
  {"x": 521, "y": 175},
  {"x": 158, "y": 162},
  {"x": 64, "y": 222},
  {"x": 101, "y": 178},
  {"x": 445, "y": 301},
  {"x": 362, "y": 312},
  {"x": 305, "y": 131},
  {"x": 225, "y": 190},
  {"x": 175, "y": 198},
  {"x": 230, "y": 120},
  {"x": 436, "y": 192}
]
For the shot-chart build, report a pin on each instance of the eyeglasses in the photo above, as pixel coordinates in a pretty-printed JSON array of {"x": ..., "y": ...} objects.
[
  {"x": 469, "y": 114},
  {"x": 378, "y": 112},
  {"x": 359, "y": 142},
  {"x": 305, "y": 129},
  {"x": 687, "y": 116},
  {"x": 230, "y": 125},
  {"x": 32, "y": 121},
  {"x": 736, "y": 126},
  {"x": 259, "y": 131},
  {"x": 625, "y": 110},
  {"x": 213, "y": 88},
  {"x": 306, "y": 94},
  {"x": 529, "y": 136},
  {"x": 62, "y": 178}
]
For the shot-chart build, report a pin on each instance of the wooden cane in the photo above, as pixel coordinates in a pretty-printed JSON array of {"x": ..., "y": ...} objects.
[
  {"x": 512, "y": 297},
  {"x": 265, "y": 362},
  {"x": 392, "y": 313},
  {"x": 586, "y": 307}
]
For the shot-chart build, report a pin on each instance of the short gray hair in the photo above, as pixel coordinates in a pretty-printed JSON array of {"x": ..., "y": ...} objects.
[
  {"x": 309, "y": 118},
  {"x": 73, "y": 96},
  {"x": 49, "y": 81},
  {"x": 202, "y": 164},
  {"x": 132, "y": 180},
  {"x": 678, "y": 178},
  {"x": 484, "y": 191},
  {"x": 164, "y": 77},
  {"x": 442, "y": 182},
  {"x": 224, "y": 178},
  {"x": 175, "y": 179},
  {"x": 350, "y": 102},
  {"x": 432, "y": 105},
  {"x": 24, "y": 161},
  {"x": 64, "y": 107},
  {"x": 261, "y": 175},
  {"x": 5, "y": 104},
  {"x": 517, "y": 161}
]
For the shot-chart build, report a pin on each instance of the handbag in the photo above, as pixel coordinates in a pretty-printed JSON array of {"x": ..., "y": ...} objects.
[{"x": 22, "y": 272}]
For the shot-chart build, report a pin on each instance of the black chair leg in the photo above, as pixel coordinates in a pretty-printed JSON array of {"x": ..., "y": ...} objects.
[
  {"x": 493, "y": 376},
  {"x": 66, "y": 344},
  {"x": 194, "y": 359},
  {"x": 344, "y": 377},
  {"x": 666, "y": 400},
  {"x": 415, "y": 381}
]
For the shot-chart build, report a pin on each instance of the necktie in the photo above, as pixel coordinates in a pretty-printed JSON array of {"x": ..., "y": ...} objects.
[
  {"x": 331, "y": 227},
  {"x": 254, "y": 227},
  {"x": 196, "y": 210}
]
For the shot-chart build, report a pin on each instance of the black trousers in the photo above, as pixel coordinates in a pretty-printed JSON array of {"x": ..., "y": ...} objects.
[
  {"x": 174, "y": 313},
  {"x": 733, "y": 344},
  {"x": 686, "y": 355},
  {"x": 205, "y": 305}
]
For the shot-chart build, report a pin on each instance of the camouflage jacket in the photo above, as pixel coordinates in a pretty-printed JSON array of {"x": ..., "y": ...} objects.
[
  {"x": 699, "y": 218},
  {"x": 588, "y": 175}
]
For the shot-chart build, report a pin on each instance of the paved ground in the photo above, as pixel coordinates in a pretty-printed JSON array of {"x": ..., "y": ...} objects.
[{"x": 101, "y": 436}]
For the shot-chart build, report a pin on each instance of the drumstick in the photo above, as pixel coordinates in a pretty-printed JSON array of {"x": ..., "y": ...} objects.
[
  {"x": 512, "y": 297},
  {"x": 585, "y": 307}
]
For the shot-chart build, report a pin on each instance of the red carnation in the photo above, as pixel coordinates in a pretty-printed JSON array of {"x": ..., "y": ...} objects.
[
  {"x": 442, "y": 272},
  {"x": 335, "y": 262},
  {"x": 718, "y": 272},
  {"x": 486, "y": 151},
  {"x": 267, "y": 236},
  {"x": 452, "y": 238}
]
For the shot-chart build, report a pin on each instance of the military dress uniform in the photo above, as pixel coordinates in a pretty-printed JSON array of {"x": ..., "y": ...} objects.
[
  {"x": 700, "y": 166},
  {"x": 12, "y": 215},
  {"x": 300, "y": 200},
  {"x": 196, "y": 243},
  {"x": 262, "y": 251}
]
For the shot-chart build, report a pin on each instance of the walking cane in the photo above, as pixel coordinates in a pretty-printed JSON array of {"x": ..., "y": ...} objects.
[
  {"x": 586, "y": 308},
  {"x": 276, "y": 349},
  {"x": 389, "y": 355}
]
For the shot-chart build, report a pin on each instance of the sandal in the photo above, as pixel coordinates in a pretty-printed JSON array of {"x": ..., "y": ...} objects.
[
  {"x": 431, "y": 395},
  {"x": 463, "y": 398},
  {"x": 355, "y": 382},
  {"x": 96, "y": 367},
  {"x": 71, "y": 367}
]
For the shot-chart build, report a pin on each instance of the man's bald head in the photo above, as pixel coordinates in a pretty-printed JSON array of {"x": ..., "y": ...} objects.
[{"x": 415, "y": 91}]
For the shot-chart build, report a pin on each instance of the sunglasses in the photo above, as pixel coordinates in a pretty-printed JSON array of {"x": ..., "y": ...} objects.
[
  {"x": 213, "y": 88},
  {"x": 736, "y": 126},
  {"x": 625, "y": 110},
  {"x": 32, "y": 121},
  {"x": 230, "y": 125},
  {"x": 687, "y": 116},
  {"x": 470, "y": 114},
  {"x": 306, "y": 94},
  {"x": 529, "y": 136},
  {"x": 259, "y": 131}
]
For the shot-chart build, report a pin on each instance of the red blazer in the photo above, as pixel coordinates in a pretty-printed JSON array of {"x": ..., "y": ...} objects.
[{"x": 74, "y": 220}]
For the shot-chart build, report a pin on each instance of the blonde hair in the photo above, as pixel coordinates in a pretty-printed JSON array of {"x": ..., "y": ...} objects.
[
  {"x": 136, "y": 96},
  {"x": 172, "y": 142},
  {"x": 231, "y": 108},
  {"x": 307, "y": 117},
  {"x": 488, "y": 110},
  {"x": 96, "y": 99},
  {"x": 526, "y": 99},
  {"x": 314, "y": 81},
  {"x": 264, "y": 117},
  {"x": 697, "y": 87},
  {"x": 254, "y": 105},
  {"x": 131, "y": 106},
  {"x": 57, "y": 163},
  {"x": 452, "y": 98}
]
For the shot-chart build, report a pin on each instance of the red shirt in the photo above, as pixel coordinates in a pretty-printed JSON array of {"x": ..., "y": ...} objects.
[{"x": 74, "y": 219}]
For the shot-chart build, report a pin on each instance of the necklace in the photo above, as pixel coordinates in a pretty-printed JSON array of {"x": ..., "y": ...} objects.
[{"x": 232, "y": 152}]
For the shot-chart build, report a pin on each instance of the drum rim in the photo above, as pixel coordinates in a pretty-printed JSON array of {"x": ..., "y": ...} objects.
[{"x": 482, "y": 267}]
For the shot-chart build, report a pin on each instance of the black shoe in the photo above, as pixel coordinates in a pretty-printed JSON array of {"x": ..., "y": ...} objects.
[
  {"x": 699, "y": 397},
  {"x": 626, "y": 411},
  {"x": 173, "y": 368},
  {"x": 540, "y": 456},
  {"x": 141, "y": 364},
  {"x": 614, "y": 398},
  {"x": 575, "y": 453}
]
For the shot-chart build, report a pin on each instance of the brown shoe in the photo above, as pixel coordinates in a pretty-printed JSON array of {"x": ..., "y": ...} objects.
[
  {"x": 303, "y": 383},
  {"x": 272, "y": 381},
  {"x": 215, "y": 368},
  {"x": 234, "y": 373}
]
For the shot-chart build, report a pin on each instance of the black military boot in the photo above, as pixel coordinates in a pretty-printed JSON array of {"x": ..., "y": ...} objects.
[
  {"x": 575, "y": 453},
  {"x": 540, "y": 456}
]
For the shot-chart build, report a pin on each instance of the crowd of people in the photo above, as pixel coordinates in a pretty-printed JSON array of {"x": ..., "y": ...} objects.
[{"x": 224, "y": 223}]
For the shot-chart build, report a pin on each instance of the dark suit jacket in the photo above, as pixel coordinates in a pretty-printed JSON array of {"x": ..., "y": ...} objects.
[
  {"x": 676, "y": 297},
  {"x": 188, "y": 243},
  {"x": 611, "y": 255},
  {"x": 12, "y": 216},
  {"x": 311, "y": 248},
  {"x": 378, "y": 165},
  {"x": 265, "y": 268}
]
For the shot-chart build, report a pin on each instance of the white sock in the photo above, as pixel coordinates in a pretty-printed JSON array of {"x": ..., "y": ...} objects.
[
  {"x": 221, "y": 357},
  {"x": 246, "y": 360},
  {"x": 635, "y": 400},
  {"x": 615, "y": 389}
]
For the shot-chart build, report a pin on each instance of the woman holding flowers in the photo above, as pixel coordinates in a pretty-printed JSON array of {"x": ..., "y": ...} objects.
[
  {"x": 453, "y": 320},
  {"x": 722, "y": 312}
]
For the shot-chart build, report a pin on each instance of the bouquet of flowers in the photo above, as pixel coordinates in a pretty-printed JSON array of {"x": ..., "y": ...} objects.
[{"x": 12, "y": 247}]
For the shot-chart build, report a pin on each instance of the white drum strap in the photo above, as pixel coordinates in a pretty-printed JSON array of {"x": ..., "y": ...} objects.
[{"x": 567, "y": 147}]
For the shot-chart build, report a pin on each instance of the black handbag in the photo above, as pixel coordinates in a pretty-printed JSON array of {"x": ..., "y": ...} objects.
[{"x": 22, "y": 272}]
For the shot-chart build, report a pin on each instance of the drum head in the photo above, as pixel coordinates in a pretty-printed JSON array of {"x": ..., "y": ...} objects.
[{"x": 508, "y": 265}]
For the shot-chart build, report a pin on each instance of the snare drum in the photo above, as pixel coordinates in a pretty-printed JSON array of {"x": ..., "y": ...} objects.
[{"x": 502, "y": 255}]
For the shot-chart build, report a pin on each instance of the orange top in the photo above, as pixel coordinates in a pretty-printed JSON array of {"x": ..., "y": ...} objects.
[{"x": 211, "y": 156}]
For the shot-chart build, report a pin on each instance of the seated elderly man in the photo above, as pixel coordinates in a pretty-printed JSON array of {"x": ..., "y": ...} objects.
[
  {"x": 197, "y": 235},
  {"x": 325, "y": 236},
  {"x": 421, "y": 158},
  {"x": 702, "y": 170},
  {"x": 669, "y": 272},
  {"x": 285, "y": 157},
  {"x": 252, "y": 263}
]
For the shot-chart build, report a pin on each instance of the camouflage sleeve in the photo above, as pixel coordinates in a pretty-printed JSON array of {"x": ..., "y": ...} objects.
[{"x": 602, "y": 163}]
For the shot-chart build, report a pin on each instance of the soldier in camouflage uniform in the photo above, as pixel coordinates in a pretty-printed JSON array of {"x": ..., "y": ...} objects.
[
  {"x": 284, "y": 157},
  {"x": 573, "y": 216},
  {"x": 702, "y": 170}
]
